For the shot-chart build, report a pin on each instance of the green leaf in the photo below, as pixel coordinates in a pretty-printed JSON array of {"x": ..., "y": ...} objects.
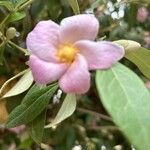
[
  {"x": 18, "y": 2},
  {"x": 21, "y": 86},
  {"x": 37, "y": 8},
  {"x": 141, "y": 58},
  {"x": 16, "y": 16},
  {"x": 35, "y": 92},
  {"x": 75, "y": 6},
  {"x": 36, "y": 127},
  {"x": 66, "y": 110},
  {"x": 127, "y": 100},
  {"x": 70, "y": 138},
  {"x": 32, "y": 105},
  {"x": 26, "y": 143},
  {"x": 7, "y": 4}
]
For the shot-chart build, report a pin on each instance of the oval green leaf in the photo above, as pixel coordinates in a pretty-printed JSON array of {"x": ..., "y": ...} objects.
[{"x": 127, "y": 100}]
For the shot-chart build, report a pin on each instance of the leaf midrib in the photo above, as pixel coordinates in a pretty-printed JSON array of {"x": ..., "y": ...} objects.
[
  {"x": 28, "y": 108},
  {"x": 126, "y": 95}
]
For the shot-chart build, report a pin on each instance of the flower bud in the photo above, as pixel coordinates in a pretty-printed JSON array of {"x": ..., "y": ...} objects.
[
  {"x": 142, "y": 14},
  {"x": 18, "y": 130},
  {"x": 11, "y": 33},
  {"x": 148, "y": 84},
  {"x": 128, "y": 45},
  {"x": 118, "y": 147},
  {"x": 77, "y": 147}
]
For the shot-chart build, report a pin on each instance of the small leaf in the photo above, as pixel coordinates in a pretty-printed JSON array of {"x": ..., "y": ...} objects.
[
  {"x": 127, "y": 100},
  {"x": 21, "y": 86},
  {"x": 32, "y": 105},
  {"x": 75, "y": 6},
  {"x": 16, "y": 16},
  {"x": 66, "y": 110},
  {"x": 36, "y": 127},
  {"x": 141, "y": 58},
  {"x": 7, "y": 4}
]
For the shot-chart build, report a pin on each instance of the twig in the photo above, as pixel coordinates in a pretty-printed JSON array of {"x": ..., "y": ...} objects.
[
  {"x": 110, "y": 28},
  {"x": 13, "y": 44},
  {"x": 4, "y": 20},
  {"x": 83, "y": 110},
  {"x": 18, "y": 47},
  {"x": 104, "y": 127}
]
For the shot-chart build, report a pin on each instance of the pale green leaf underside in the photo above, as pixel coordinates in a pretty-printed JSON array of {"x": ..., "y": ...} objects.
[
  {"x": 127, "y": 100},
  {"x": 4, "y": 86},
  {"x": 66, "y": 110},
  {"x": 21, "y": 86},
  {"x": 141, "y": 58}
]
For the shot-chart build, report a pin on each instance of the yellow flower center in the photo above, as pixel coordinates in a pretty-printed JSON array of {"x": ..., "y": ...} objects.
[{"x": 66, "y": 53}]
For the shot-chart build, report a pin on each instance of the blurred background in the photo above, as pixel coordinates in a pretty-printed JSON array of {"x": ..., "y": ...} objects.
[{"x": 90, "y": 127}]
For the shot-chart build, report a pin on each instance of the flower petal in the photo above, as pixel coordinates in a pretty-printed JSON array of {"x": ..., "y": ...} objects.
[
  {"x": 100, "y": 55},
  {"x": 79, "y": 27},
  {"x": 45, "y": 72},
  {"x": 77, "y": 78},
  {"x": 42, "y": 41}
]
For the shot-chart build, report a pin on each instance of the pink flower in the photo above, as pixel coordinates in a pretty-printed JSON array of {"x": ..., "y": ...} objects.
[
  {"x": 142, "y": 14},
  {"x": 18, "y": 130},
  {"x": 148, "y": 84},
  {"x": 67, "y": 52}
]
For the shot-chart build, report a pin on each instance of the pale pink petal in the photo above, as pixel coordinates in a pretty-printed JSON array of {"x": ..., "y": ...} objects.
[
  {"x": 42, "y": 41},
  {"x": 148, "y": 84},
  {"x": 79, "y": 27},
  {"x": 18, "y": 130},
  {"x": 45, "y": 72},
  {"x": 100, "y": 55},
  {"x": 77, "y": 78}
]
